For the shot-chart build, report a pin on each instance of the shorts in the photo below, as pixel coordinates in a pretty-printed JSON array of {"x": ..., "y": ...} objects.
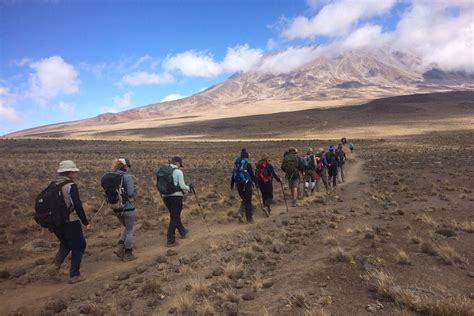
[
  {"x": 310, "y": 175},
  {"x": 293, "y": 182}
]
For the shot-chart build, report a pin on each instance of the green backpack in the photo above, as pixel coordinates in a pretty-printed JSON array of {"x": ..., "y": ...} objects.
[
  {"x": 165, "y": 182},
  {"x": 290, "y": 165}
]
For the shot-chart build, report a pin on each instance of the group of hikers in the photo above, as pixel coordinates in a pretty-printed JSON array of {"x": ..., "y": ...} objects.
[{"x": 59, "y": 207}]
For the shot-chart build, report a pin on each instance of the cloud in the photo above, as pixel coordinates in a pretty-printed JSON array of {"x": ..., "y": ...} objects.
[
  {"x": 193, "y": 63},
  {"x": 147, "y": 78},
  {"x": 369, "y": 35},
  {"x": 7, "y": 112},
  {"x": 52, "y": 77},
  {"x": 336, "y": 18},
  {"x": 172, "y": 97},
  {"x": 67, "y": 108},
  {"x": 121, "y": 103},
  {"x": 288, "y": 60},
  {"x": 241, "y": 58}
]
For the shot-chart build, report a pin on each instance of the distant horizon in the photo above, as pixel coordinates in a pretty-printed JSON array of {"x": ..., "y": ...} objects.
[{"x": 68, "y": 61}]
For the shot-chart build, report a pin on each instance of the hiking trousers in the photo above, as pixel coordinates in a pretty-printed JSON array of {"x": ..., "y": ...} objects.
[
  {"x": 245, "y": 193},
  {"x": 333, "y": 175},
  {"x": 324, "y": 177},
  {"x": 266, "y": 188},
  {"x": 127, "y": 219},
  {"x": 72, "y": 240},
  {"x": 341, "y": 171},
  {"x": 175, "y": 206}
]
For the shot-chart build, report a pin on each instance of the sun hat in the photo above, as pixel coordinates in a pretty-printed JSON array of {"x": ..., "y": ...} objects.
[{"x": 67, "y": 166}]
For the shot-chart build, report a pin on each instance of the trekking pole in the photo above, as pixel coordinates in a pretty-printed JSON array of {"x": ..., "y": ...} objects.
[
  {"x": 259, "y": 199},
  {"x": 284, "y": 197},
  {"x": 98, "y": 211},
  {"x": 202, "y": 210}
]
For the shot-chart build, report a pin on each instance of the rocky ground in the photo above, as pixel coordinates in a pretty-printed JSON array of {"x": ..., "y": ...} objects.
[{"x": 396, "y": 238}]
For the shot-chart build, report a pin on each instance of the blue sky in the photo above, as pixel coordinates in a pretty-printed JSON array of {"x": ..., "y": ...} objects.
[{"x": 66, "y": 60}]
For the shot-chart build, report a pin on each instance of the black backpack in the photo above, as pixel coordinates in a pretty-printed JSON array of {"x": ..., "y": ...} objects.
[
  {"x": 112, "y": 183},
  {"x": 51, "y": 210},
  {"x": 165, "y": 182},
  {"x": 308, "y": 162}
]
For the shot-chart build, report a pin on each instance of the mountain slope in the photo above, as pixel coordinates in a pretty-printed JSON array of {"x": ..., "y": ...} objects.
[{"x": 327, "y": 81}]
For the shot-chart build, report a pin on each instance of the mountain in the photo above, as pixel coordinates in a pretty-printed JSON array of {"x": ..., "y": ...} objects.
[{"x": 351, "y": 78}]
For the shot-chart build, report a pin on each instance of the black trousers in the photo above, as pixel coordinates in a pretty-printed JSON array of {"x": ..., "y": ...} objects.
[
  {"x": 266, "y": 188},
  {"x": 72, "y": 240},
  {"x": 175, "y": 206},
  {"x": 245, "y": 193},
  {"x": 333, "y": 175}
]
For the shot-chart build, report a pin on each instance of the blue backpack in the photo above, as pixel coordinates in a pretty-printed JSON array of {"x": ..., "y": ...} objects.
[{"x": 239, "y": 172}]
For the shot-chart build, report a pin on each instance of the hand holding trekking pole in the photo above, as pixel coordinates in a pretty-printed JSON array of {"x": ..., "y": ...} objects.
[{"x": 191, "y": 188}]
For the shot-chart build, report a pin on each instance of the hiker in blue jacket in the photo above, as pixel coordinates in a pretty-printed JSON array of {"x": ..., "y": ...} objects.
[{"x": 244, "y": 177}]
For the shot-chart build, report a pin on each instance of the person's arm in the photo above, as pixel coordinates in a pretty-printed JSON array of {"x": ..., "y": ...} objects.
[
  {"x": 273, "y": 173},
  {"x": 129, "y": 186},
  {"x": 178, "y": 178},
  {"x": 232, "y": 181},
  {"x": 76, "y": 201}
]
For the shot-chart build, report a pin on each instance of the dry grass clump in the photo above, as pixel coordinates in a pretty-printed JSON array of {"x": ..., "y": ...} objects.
[
  {"x": 257, "y": 282},
  {"x": 298, "y": 300},
  {"x": 467, "y": 227},
  {"x": 415, "y": 240},
  {"x": 330, "y": 240},
  {"x": 402, "y": 257},
  {"x": 340, "y": 255},
  {"x": 186, "y": 269},
  {"x": 315, "y": 311},
  {"x": 199, "y": 287},
  {"x": 229, "y": 295},
  {"x": 247, "y": 252},
  {"x": 426, "y": 220},
  {"x": 234, "y": 271},
  {"x": 449, "y": 255},
  {"x": 385, "y": 286},
  {"x": 429, "y": 248},
  {"x": 207, "y": 309},
  {"x": 183, "y": 305},
  {"x": 151, "y": 287}
]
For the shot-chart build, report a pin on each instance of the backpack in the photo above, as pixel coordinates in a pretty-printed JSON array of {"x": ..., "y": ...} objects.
[
  {"x": 51, "y": 210},
  {"x": 112, "y": 183},
  {"x": 341, "y": 156},
  {"x": 290, "y": 165},
  {"x": 331, "y": 159},
  {"x": 240, "y": 173},
  {"x": 165, "y": 182},
  {"x": 262, "y": 172},
  {"x": 308, "y": 162}
]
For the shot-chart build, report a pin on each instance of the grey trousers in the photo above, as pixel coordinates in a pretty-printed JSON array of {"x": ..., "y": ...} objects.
[{"x": 127, "y": 219}]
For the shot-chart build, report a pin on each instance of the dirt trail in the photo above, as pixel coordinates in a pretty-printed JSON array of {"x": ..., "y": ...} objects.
[{"x": 100, "y": 267}]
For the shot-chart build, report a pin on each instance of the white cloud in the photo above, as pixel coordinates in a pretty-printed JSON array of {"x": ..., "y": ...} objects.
[
  {"x": 172, "y": 97},
  {"x": 121, "y": 103},
  {"x": 193, "y": 63},
  {"x": 52, "y": 77},
  {"x": 241, "y": 58},
  {"x": 142, "y": 60},
  {"x": 147, "y": 78},
  {"x": 288, "y": 60},
  {"x": 7, "y": 112},
  {"x": 200, "y": 64},
  {"x": 336, "y": 18},
  {"x": 369, "y": 35},
  {"x": 67, "y": 108}
]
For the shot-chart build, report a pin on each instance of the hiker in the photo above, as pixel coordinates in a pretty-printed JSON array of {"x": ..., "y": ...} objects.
[
  {"x": 332, "y": 162},
  {"x": 70, "y": 234},
  {"x": 243, "y": 176},
  {"x": 171, "y": 185},
  {"x": 125, "y": 187},
  {"x": 310, "y": 175},
  {"x": 264, "y": 174},
  {"x": 292, "y": 166},
  {"x": 343, "y": 141},
  {"x": 351, "y": 147},
  {"x": 322, "y": 168},
  {"x": 341, "y": 157}
]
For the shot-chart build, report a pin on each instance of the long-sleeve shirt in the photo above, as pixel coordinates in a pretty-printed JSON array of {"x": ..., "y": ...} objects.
[
  {"x": 73, "y": 202},
  {"x": 129, "y": 185},
  {"x": 178, "y": 181}
]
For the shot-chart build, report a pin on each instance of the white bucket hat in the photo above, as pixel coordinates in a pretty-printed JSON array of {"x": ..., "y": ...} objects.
[{"x": 67, "y": 165}]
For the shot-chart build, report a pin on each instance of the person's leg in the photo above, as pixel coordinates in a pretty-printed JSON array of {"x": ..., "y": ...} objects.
[
  {"x": 78, "y": 245},
  {"x": 170, "y": 204},
  {"x": 64, "y": 246},
  {"x": 248, "y": 202},
  {"x": 179, "y": 224},
  {"x": 325, "y": 179},
  {"x": 342, "y": 172},
  {"x": 128, "y": 222}
]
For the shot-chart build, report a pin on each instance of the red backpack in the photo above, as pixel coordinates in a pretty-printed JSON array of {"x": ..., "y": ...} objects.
[{"x": 262, "y": 173}]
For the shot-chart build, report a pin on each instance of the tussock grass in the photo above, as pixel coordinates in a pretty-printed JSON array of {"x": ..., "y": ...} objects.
[
  {"x": 298, "y": 300},
  {"x": 340, "y": 255},
  {"x": 429, "y": 248},
  {"x": 183, "y": 304},
  {"x": 449, "y": 255},
  {"x": 426, "y": 220},
  {"x": 199, "y": 287},
  {"x": 330, "y": 240},
  {"x": 229, "y": 295},
  {"x": 234, "y": 271},
  {"x": 151, "y": 287},
  {"x": 402, "y": 257},
  {"x": 207, "y": 309},
  {"x": 415, "y": 240},
  {"x": 315, "y": 311},
  {"x": 467, "y": 227},
  {"x": 386, "y": 286}
]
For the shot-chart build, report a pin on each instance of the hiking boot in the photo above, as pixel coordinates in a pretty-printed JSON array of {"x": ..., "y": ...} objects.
[
  {"x": 269, "y": 209},
  {"x": 120, "y": 249},
  {"x": 184, "y": 234},
  {"x": 266, "y": 211},
  {"x": 250, "y": 221},
  {"x": 295, "y": 203},
  {"x": 171, "y": 244},
  {"x": 128, "y": 255},
  {"x": 76, "y": 279}
]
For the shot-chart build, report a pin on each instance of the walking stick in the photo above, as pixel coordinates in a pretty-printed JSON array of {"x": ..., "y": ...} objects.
[
  {"x": 202, "y": 210},
  {"x": 284, "y": 197},
  {"x": 259, "y": 199},
  {"x": 98, "y": 211}
]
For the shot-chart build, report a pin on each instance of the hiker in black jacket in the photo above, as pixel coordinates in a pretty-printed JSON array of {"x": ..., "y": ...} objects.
[
  {"x": 243, "y": 176},
  {"x": 70, "y": 233}
]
